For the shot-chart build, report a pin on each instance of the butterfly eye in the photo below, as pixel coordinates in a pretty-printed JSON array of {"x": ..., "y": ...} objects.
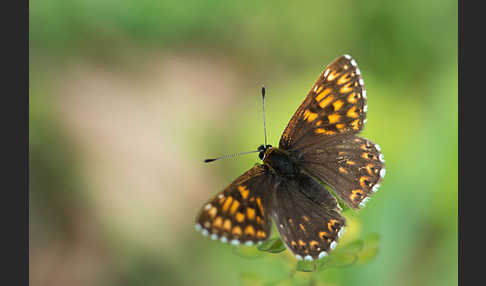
[{"x": 261, "y": 154}]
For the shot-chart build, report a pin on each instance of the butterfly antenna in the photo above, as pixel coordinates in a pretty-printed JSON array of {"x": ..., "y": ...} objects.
[
  {"x": 263, "y": 107},
  {"x": 249, "y": 152},
  {"x": 230, "y": 156}
]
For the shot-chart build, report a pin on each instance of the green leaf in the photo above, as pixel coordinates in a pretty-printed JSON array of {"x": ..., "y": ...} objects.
[
  {"x": 274, "y": 245},
  {"x": 247, "y": 252},
  {"x": 372, "y": 239},
  {"x": 352, "y": 248},
  {"x": 370, "y": 248},
  {"x": 342, "y": 257},
  {"x": 358, "y": 251},
  {"x": 339, "y": 260},
  {"x": 333, "y": 260},
  {"x": 306, "y": 266}
]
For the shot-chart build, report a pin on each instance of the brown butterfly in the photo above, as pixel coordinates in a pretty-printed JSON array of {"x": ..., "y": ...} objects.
[{"x": 319, "y": 145}]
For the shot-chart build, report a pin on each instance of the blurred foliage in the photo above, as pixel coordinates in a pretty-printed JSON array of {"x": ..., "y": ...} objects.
[
  {"x": 358, "y": 251},
  {"x": 407, "y": 53}
]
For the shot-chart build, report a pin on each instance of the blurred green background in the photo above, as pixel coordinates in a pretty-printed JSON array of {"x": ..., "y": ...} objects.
[{"x": 128, "y": 97}]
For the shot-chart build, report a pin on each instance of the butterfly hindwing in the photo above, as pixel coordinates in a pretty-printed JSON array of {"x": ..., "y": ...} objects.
[
  {"x": 307, "y": 217},
  {"x": 352, "y": 166},
  {"x": 240, "y": 214},
  {"x": 336, "y": 104}
]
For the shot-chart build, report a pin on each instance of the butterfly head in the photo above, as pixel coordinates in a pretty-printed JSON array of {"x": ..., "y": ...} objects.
[{"x": 263, "y": 150}]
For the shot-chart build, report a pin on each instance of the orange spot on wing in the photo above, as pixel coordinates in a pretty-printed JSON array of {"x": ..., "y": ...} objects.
[
  {"x": 323, "y": 94},
  {"x": 356, "y": 194},
  {"x": 333, "y": 75},
  {"x": 249, "y": 230},
  {"x": 326, "y": 101},
  {"x": 364, "y": 181},
  {"x": 243, "y": 191},
  {"x": 234, "y": 207},
  {"x": 302, "y": 243},
  {"x": 260, "y": 206},
  {"x": 309, "y": 116},
  {"x": 369, "y": 168},
  {"x": 250, "y": 213},
  {"x": 330, "y": 224},
  {"x": 227, "y": 203},
  {"x": 333, "y": 118},
  {"x": 237, "y": 231},
  {"x": 261, "y": 234},
  {"x": 343, "y": 79},
  {"x": 353, "y": 98},
  {"x": 324, "y": 131},
  {"x": 368, "y": 156},
  {"x": 218, "y": 222},
  {"x": 227, "y": 224},
  {"x": 240, "y": 217},
  {"x": 302, "y": 227},
  {"x": 352, "y": 112},
  {"x": 259, "y": 220},
  {"x": 345, "y": 89},
  {"x": 338, "y": 104}
]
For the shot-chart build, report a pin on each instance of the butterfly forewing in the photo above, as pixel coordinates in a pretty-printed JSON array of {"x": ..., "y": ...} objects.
[
  {"x": 336, "y": 104},
  {"x": 240, "y": 214},
  {"x": 307, "y": 217}
]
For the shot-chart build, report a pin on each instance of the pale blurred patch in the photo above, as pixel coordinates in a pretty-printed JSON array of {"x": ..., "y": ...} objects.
[{"x": 131, "y": 133}]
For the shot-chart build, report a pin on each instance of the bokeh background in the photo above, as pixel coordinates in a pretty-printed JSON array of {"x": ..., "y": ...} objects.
[{"x": 128, "y": 97}]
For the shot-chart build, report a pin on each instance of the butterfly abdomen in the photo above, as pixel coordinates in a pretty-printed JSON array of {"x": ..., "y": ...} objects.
[{"x": 281, "y": 163}]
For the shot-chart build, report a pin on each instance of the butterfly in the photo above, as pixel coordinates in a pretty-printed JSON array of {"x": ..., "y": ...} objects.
[{"x": 320, "y": 145}]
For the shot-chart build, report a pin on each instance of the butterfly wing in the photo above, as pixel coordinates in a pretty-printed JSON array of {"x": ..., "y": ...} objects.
[
  {"x": 240, "y": 213},
  {"x": 352, "y": 166},
  {"x": 321, "y": 135},
  {"x": 336, "y": 104},
  {"x": 307, "y": 217}
]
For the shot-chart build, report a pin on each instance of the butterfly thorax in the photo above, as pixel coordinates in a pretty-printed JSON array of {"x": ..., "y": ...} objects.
[{"x": 280, "y": 162}]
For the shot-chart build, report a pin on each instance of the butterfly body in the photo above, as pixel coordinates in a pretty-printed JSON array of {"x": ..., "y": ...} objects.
[
  {"x": 281, "y": 163},
  {"x": 319, "y": 146}
]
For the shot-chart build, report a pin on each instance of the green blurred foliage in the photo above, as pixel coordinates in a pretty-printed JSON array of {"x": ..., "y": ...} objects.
[{"x": 407, "y": 53}]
